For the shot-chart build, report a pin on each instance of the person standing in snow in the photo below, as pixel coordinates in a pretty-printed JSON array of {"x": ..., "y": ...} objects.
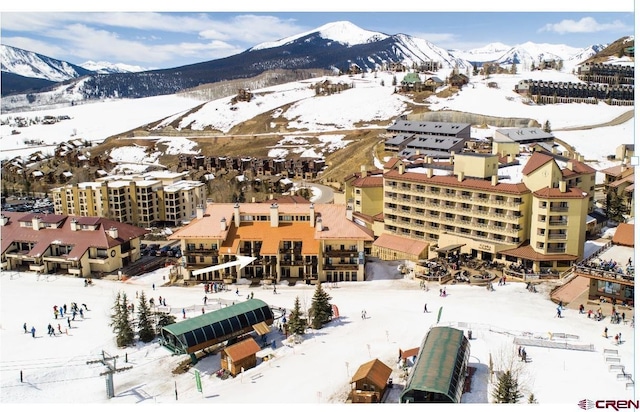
[
  {"x": 184, "y": 314},
  {"x": 25, "y": 327},
  {"x": 33, "y": 331},
  {"x": 153, "y": 286},
  {"x": 425, "y": 308},
  {"x": 605, "y": 333}
]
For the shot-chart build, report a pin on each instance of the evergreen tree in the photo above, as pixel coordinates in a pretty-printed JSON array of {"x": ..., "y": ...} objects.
[
  {"x": 506, "y": 391},
  {"x": 614, "y": 206},
  {"x": 165, "y": 319},
  {"x": 321, "y": 310},
  {"x": 296, "y": 326},
  {"x": 121, "y": 322},
  {"x": 146, "y": 332},
  {"x": 394, "y": 81},
  {"x": 514, "y": 68},
  {"x": 547, "y": 127},
  {"x": 532, "y": 399}
]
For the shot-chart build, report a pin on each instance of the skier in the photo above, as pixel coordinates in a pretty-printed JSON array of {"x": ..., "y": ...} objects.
[
  {"x": 184, "y": 314},
  {"x": 25, "y": 327},
  {"x": 153, "y": 286},
  {"x": 605, "y": 333},
  {"x": 617, "y": 339},
  {"x": 69, "y": 322},
  {"x": 59, "y": 329},
  {"x": 425, "y": 308},
  {"x": 33, "y": 331},
  {"x": 204, "y": 300}
]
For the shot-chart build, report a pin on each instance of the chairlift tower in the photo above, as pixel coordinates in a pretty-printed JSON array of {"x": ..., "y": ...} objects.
[{"x": 110, "y": 362}]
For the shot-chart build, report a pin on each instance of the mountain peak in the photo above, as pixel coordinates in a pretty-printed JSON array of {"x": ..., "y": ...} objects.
[{"x": 343, "y": 32}]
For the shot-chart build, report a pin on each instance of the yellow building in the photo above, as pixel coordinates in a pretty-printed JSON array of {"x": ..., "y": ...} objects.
[
  {"x": 534, "y": 216},
  {"x": 290, "y": 242},
  {"x": 145, "y": 199}
]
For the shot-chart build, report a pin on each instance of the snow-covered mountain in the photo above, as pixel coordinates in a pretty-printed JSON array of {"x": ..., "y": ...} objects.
[
  {"x": 343, "y": 32},
  {"x": 33, "y": 65},
  {"x": 107, "y": 67},
  {"x": 334, "y": 46}
]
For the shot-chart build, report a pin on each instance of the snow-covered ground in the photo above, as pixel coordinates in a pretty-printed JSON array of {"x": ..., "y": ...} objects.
[
  {"x": 372, "y": 99},
  {"x": 57, "y": 370}
]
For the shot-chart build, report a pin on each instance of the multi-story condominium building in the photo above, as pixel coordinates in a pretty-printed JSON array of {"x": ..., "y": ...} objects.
[
  {"x": 293, "y": 241},
  {"x": 533, "y": 215},
  {"x": 75, "y": 245},
  {"x": 146, "y": 199},
  {"x": 435, "y": 139}
]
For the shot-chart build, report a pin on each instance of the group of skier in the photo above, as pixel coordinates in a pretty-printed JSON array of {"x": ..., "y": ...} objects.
[{"x": 60, "y": 312}]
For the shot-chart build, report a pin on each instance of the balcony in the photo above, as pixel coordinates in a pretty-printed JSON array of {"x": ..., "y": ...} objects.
[
  {"x": 557, "y": 223},
  {"x": 201, "y": 252},
  {"x": 37, "y": 268},
  {"x": 556, "y": 250},
  {"x": 559, "y": 209}
]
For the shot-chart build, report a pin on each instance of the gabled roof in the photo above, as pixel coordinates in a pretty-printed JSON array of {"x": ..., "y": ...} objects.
[
  {"x": 242, "y": 350},
  {"x": 624, "y": 235},
  {"x": 81, "y": 240},
  {"x": 376, "y": 371},
  {"x": 536, "y": 161},
  {"x": 369, "y": 181},
  {"x": 469, "y": 183}
]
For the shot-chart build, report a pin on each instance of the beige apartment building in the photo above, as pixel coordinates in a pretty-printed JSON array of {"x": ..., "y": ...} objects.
[
  {"x": 492, "y": 207},
  {"x": 290, "y": 242},
  {"x": 145, "y": 199}
]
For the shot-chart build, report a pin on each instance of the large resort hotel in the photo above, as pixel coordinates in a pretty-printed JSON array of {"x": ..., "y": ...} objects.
[
  {"x": 530, "y": 209},
  {"x": 289, "y": 241}
]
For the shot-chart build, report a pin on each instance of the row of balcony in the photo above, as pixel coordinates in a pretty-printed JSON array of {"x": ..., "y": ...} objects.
[
  {"x": 457, "y": 222},
  {"x": 483, "y": 236},
  {"x": 443, "y": 194},
  {"x": 440, "y": 208}
]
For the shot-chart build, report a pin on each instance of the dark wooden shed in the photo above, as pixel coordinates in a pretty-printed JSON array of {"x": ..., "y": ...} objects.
[{"x": 240, "y": 356}]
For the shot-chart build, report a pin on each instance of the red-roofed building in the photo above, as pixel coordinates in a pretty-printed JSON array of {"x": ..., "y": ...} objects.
[
  {"x": 291, "y": 241},
  {"x": 77, "y": 245}
]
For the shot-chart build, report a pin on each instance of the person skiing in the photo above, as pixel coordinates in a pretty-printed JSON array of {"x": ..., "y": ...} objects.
[
  {"x": 605, "y": 333},
  {"x": 33, "y": 331},
  {"x": 69, "y": 322},
  {"x": 184, "y": 314}
]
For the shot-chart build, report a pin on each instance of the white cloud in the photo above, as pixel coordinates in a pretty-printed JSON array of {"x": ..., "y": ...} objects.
[{"x": 584, "y": 25}]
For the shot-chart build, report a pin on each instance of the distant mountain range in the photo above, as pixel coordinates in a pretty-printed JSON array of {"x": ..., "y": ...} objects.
[{"x": 334, "y": 46}]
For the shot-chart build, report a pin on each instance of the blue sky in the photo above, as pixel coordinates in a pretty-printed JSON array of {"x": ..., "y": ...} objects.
[{"x": 176, "y": 38}]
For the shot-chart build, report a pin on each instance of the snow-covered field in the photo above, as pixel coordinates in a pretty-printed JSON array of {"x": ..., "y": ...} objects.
[
  {"x": 372, "y": 99},
  {"x": 56, "y": 370}
]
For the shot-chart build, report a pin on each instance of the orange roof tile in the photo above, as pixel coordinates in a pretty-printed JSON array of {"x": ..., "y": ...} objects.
[
  {"x": 467, "y": 183},
  {"x": 369, "y": 181},
  {"x": 624, "y": 235},
  {"x": 536, "y": 161},
  {"x": 393, "y": 242},
  {"x": 555, "y": 193},
  {"x": 581, "y": 167}
]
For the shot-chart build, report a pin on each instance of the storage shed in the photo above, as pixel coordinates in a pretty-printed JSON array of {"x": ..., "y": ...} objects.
[
  {"x": 191, "y": 335},
  {"x": 370, "y": 382},
  {"x": 439, "y": 372},
  {"x": 240, "y": 356}
]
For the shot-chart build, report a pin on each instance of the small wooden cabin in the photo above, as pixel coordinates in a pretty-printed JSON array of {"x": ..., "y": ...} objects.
[
  {"x": 370, "y": 382},
  {"x": 240, "y": 356}
]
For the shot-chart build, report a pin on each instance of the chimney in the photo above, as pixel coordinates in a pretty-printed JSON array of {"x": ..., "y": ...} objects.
[
  {"x": 429, "y": 172},
  {"x": 429, "y": 160},
  {"x": 581, "y": 158},
  {"x": 563, "y": 186},
  {"x": 509, "y": 158},
  {"x": 349, "y": 213},
  {"x": 363, "y": 171},
  {"x": 401, "y": 168},
  {"x": 223, "y": 224},
  {"x": 113, "y": 232},
  {"x": 319, "y": 227},
  {"x": 570, "y": 165},
  {"x": 35, "y": 222},
  {"x": 494, "y": 180},
  {"x": 3, "y": 220},
  {"x": 74, "y": 224},
  {"x": 460, "y": 176},
  {"x": 199, "y": 212},
  {"x": 236, "y": 214},
  {"x": 312, "y": 215},
  {"x": 274, "y": 214}
]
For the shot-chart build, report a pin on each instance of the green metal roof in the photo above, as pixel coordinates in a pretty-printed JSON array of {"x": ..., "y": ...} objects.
[
  {"x": 437, "y": 368},
  {"x": 207, "y": 319}
]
